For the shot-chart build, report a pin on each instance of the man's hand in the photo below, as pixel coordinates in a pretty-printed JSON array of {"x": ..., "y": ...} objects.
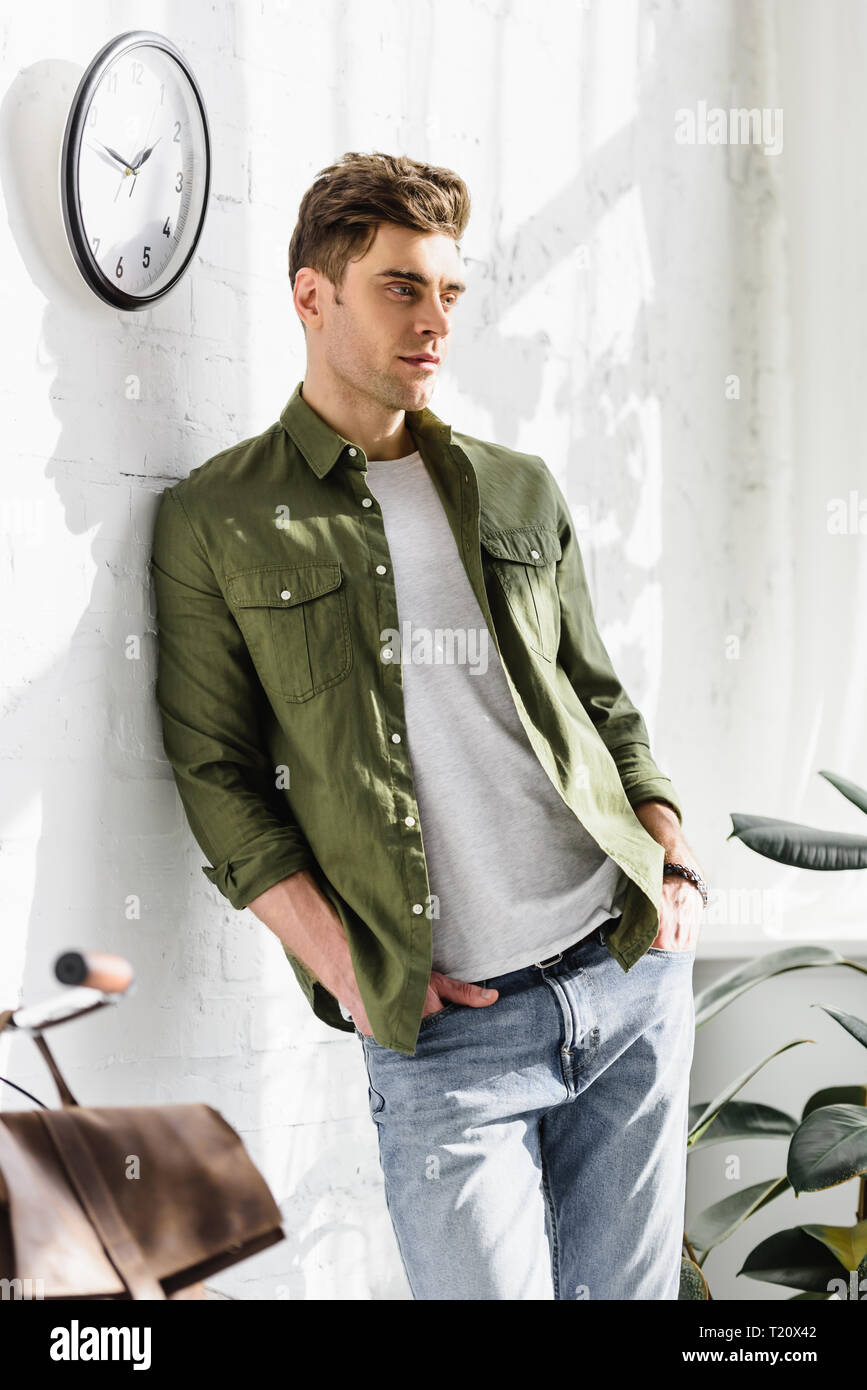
[
  {"x": 681, "y": 907},
  {"x": 679, "y": 913},
  {"x": 441, "y": 990}
]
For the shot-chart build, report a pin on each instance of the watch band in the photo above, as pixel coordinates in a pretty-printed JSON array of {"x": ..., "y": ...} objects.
[{"x": 683, "y": 871}]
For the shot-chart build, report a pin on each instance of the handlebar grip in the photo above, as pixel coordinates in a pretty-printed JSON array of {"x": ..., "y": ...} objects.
[{"x": 95, "y": 969}]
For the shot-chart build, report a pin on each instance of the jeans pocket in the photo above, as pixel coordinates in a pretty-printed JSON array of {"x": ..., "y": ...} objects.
[
  {"x": 665, "y": 954},
  {"x": 440, "y": 1013},
  {"x": 451, "y": 1007}
]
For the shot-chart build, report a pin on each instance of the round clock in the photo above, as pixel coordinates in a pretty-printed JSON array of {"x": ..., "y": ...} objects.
[{"x": 135, "y": 169}]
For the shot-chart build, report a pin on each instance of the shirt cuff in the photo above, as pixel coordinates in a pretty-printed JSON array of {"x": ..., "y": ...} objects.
[
  {"x": 655, "y": 789},
  {"x": 244, "y": 877}
]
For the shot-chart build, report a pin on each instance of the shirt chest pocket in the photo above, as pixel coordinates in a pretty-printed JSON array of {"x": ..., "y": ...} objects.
[
  {"x": 523, "y": 561},
  {"x": 295, "y": 622}
]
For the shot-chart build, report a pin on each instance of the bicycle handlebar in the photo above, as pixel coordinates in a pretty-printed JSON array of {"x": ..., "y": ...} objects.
[
  {"x": 96, "y": 969},
  {"x": 100, "y": 978}
]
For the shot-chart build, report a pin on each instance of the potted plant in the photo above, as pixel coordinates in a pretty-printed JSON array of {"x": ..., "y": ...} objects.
[{"x": 827, "y": 1144}]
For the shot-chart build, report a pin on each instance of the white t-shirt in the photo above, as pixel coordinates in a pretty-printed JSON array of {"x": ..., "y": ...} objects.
[{"x": 515, "y": 876}]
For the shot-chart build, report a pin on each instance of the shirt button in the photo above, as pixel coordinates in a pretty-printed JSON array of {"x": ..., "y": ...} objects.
[
  {"x": 395, "y": 738},
  {"x": 387, "y": 654},
  {"x": 286, "y": 593},
  {"x": 352, "y": 453},
  {"x": 380, "y": 569},
  {"x": 535, "y": 554},
  {"x": 366, "y": 502},
  {"x": 417, "y": 908},
  {"x": 409, "y": 820}
]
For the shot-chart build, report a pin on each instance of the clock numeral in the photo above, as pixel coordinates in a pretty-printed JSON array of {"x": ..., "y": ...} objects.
[
  {"x": 136, "y": 70},
  {"x": 96, "y": 246},
  {"x": 177, "y": 135},
  {"x": 180, "y": 183},
  {"x": 111, "y": 83},
  {"x": 118, "y": 270},
  {"x": 162, "y": 92},
  {"x": 167, "y": 227},
  {"x": 146, "y": 258},
  {"x": 91, "y": 115}
]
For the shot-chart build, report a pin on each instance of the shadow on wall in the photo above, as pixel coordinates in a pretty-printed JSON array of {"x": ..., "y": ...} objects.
[
  {"x": 115, "y": 865},
  {"x": 82, "y": 731}
]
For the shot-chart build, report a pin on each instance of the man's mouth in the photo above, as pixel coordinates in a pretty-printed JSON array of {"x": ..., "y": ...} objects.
[{"x": 425, "y": 361}]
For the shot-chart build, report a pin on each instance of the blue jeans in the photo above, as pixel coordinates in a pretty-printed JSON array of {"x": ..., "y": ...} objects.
[{"x": 535, "y": 1148}]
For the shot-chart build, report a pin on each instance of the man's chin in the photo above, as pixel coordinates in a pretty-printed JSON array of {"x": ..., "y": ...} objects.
[{"x": 417, "y": 394}]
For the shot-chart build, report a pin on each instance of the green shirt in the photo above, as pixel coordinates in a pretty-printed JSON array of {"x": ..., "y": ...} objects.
[{"x": 283, "y": 719}]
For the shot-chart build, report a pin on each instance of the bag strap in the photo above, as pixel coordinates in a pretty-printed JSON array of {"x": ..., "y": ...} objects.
[
  {"x": 118, "y": 1241},
  {"x": 95, "y": 1195},
  {"x": 66, "y": 1096}
]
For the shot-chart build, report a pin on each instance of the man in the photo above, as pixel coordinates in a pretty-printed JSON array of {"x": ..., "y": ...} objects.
[{"x": 400, "y": 741}]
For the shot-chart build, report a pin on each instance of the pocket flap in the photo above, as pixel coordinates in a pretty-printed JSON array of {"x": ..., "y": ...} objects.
[
  {"x": 530, "y": 545},
  {"x": 281, "y": 586}
]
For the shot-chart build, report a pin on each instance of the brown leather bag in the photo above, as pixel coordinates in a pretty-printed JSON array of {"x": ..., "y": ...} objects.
[{"x": 136, "y": 1202}]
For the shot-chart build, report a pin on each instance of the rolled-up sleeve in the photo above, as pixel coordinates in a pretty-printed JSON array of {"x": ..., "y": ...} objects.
[
  {"x": 211, "y": 703},
  {"x": 585, "y": 659}
]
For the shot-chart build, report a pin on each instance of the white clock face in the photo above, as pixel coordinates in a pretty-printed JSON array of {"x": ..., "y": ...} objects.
[{"x": 142, "y": 171}]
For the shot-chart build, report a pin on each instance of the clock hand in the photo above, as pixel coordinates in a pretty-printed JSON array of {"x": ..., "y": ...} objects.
[
  {"x": 142, "y": 155},
  {"x": 144, "y": 151},
  {"x": 113, "y": 155},
  {"x": 146, "y": 154},
  {"x": 107, "y": 156}
]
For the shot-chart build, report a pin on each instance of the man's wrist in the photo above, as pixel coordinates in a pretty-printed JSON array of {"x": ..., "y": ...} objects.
[
  {"x": 661, "y": 822},
  {"x": 674, "y": 869}
]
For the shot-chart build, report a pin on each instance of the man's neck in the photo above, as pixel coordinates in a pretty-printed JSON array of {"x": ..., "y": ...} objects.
[{"x": 388, "y": 438}]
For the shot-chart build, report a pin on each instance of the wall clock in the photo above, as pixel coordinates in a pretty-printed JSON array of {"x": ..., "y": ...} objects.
[{"x": 135, "y": 169}]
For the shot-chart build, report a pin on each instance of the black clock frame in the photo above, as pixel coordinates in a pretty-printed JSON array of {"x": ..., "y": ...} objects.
[{"x": 72, "y": 216}]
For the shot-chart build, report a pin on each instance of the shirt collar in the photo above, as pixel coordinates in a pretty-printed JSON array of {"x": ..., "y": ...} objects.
[{"x": 322, "y": 446}]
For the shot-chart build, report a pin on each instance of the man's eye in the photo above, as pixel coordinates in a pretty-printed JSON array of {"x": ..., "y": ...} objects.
[{"x": 452, "y": 298}]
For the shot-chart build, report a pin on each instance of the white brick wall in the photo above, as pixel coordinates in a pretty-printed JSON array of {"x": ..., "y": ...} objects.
[{"x": 560, "y": 118}]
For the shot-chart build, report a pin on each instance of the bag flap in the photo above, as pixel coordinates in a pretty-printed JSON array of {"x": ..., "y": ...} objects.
[
  {"x": 46, "y": 1239},
  {"x": 281, "y": 586},
  {"x": 179, "y": 1174},
  {"x": 530, "y": 545}
]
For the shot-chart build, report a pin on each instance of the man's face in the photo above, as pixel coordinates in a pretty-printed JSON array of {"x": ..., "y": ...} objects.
[{"x": 395, "y": 303}]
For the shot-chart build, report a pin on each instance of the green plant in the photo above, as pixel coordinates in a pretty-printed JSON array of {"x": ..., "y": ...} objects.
[{"x": 828, "y": 1144}]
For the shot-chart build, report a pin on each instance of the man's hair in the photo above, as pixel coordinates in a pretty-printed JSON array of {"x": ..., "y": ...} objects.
[{"x": 339, "y": 214}]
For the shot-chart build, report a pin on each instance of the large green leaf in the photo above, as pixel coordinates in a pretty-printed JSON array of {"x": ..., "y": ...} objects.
[
  {"x": 708, "y": 1002},
  {"x": 716, "y": 1223},
  {"x": 693, "y": 1284},
  {"x": 794, "y": 1259},
  {"x": 828, "y": 1148},
  {"x": 802, "y": 846},
  {"x": 835, "y": 1095},
  {"x": 713, "y": 1108},
  {"x": 857, "y": 795},
  {"x": 742, "y": 1119},
  {"x": 856, "y": 1026},
  {"x": 847, "y": 1243}
]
